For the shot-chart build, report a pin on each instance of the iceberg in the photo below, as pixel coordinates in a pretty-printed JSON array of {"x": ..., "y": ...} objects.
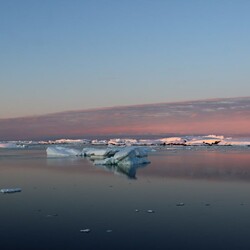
[
  {"x": 173, "y": 141},
  {"x": 122, "y": 142},
  {"x": 58, "y": 151},
  {"x": 127, "y": 156},
  {"x": 204, "y": 140},
  {"x": 99, "y": 142}
]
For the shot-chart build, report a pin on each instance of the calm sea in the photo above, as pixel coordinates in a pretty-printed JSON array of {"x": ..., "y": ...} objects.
[{"x": 187, "y": 198}]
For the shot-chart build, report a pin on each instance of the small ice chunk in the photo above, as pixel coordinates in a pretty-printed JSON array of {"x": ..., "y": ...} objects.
[
  {"x": 109, "y": 231},
  {"x": 150, "y": 211},
  {"x": 51, "y": 215},
  {"x": 180, "y": 204},
  {"x": 86, "y": 230},
  {"x": 137, "y": 210},
  {"x": 10, "y": 190}
]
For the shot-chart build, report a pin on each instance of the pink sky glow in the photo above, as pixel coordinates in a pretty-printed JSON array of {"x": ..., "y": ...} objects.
[{"x": 220, "y": 116}]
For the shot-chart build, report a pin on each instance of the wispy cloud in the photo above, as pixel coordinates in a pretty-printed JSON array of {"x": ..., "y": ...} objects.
[{"x": 227, "y": 116}]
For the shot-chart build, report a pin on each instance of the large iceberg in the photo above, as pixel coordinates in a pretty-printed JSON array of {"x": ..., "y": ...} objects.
[
  {"x": 124, "y": 160},
  {"x": 104, "y": 156}
]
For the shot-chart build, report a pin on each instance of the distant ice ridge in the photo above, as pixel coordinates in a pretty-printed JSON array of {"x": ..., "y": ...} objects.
[
  {"x": 66, "y": 141},
  {"x": 118, "y": 142},
  {"x": 11, "y": 145}
]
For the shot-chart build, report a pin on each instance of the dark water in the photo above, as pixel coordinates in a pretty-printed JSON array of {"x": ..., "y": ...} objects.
[{"x": 62, "y": 196}]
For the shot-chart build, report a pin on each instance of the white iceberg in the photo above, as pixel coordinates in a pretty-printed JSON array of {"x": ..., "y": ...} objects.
[
  {"x": 99, "y": 142},
  {"x": 122, "y": 142},
  {"x": 58, "y": 151},
  {"x": 127, "y": 156},
  {"x": 204, "y": 140},
  {"x": 173, "y": 141}
]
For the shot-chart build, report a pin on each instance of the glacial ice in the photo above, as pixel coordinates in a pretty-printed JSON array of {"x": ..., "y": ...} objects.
[{"x": 118, "y": 142}]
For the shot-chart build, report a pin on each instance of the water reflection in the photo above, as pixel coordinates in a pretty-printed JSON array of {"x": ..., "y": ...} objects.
[
  {"x": 61, "y": 196},
  {"x": 211, "y": 165},
  {"x": 68, "y": 162}
]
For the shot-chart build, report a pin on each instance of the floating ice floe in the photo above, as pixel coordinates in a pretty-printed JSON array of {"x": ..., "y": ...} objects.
[
  {"x": 150, "y": 211},
  {"x": 58, "y": 151},
  {"x": 120, "y": 160},
  {"x": 86, "y": 230},
  {"x": 99, "y": 142},
  {"x": 10, "y": 190}
]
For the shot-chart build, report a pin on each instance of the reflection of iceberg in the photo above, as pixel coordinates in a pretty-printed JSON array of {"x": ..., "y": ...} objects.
[{"x": 127, "y": 170}]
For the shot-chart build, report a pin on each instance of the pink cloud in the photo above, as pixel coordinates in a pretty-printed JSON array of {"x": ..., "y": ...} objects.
[{"x": 224, "y": 116}]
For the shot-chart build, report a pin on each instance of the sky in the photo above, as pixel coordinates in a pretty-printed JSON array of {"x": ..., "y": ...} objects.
[
  {"x": 230, "y": 117},
  {"x": 59, "y": 55}
]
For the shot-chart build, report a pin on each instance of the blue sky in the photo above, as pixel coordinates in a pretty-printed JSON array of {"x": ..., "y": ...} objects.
[{"x": 71, "y": 55}]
